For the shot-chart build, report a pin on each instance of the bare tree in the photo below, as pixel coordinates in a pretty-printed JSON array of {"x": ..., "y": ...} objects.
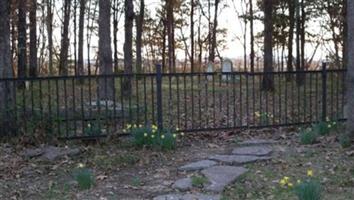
[
  {"x": 6, "y": 90},
  {"x": 49, "y": 22},
  {"x": 63, "y": 60},
  {"x": 106, "y": 85},
  {"x": 21, "y": 44},
  {"x": 350, "y": 73},
  {"x": 139, "y": 33},
  {"x": 128, "y": 45},
  {"x": 33, "y": 39},
  {"x": 80, "y": 63},
  {"x": 268, "y": 83}
]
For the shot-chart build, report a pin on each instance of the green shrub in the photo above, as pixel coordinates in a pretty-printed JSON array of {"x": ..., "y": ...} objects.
[
  {"x": 344, "y": 140},
  {"x": 308, "y": 136},
  {"x": 308, "y": 190},
  {"x": 84, "y": 177},
  {"x": 151, "y": 137},
  {"x": 199, "y": 181}
]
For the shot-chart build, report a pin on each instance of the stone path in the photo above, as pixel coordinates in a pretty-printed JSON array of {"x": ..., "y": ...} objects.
[{"x": 219, "y": 171}]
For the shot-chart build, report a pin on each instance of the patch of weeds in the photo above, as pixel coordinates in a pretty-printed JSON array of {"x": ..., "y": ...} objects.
[
  {"x": 324, "y": 128},
  {"x": 308, "y": 136},
  {"x": 84, "y": 177},
  {"x": 136, "y": 182},
  {"x": 308, "y": 190},
  {"x": 264, "y": 117},
  {"x": 199, "y": 181},
  {"x": 56, "y": 191},
  {"x": 344, "y": 141},
  {"x": 112, "y": 162},
  {"x": 150, "y": 136},
  {"x": 93, "y": 129}
]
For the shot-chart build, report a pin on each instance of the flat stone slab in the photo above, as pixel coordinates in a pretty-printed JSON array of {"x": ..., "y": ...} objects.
[
  {"x": 183, "y": 184},
  {"x": 221, "y": 176},
  {"x": 195, "y": 196},
  {"x": 50, "y": 153},
  {"x": 199, "y": 165},
  {"x": 257, "y": 142},
  {"x": 253, "y": 151},
  {"x": 238, "y": 159}
]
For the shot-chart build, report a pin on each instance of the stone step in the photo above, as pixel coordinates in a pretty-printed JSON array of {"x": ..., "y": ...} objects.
[
  {"x": 238, "y": 159},
  {"x": 191, "y": 196},
  {"x": 253, "y": 151},
  {"x": 199, "y": 165}
]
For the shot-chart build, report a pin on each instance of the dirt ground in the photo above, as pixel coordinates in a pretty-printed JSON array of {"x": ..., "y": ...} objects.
[{"x": 123, "y": 172}]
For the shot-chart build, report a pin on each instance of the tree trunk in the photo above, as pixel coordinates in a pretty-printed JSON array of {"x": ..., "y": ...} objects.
[
  {"x": 21, "y": 42},
  {"x": 63, "y": 58},
  {"x": 128, "y": 46},
  {"x": 50, "y": 36},
  {"x": 290, "y": 67},
  {"x": 170, "y": 35},
  {"x": 192, "y": 36},
  {"x": 139, "y": 33},
  {"x": 303, "y": 39},
  {"x": 215, "y": 25},
  {"x": 345, "y": 35},
  {"x": 350, "y": 73},
  {"x": 268, "y": 84},
  {"x": 252, "y": 36},
  {"x": 298, "y": 45},
  {"x": 33, "y": 39},
  {"x": 7, "y": 117},
  {"x": 106, "y": 85},
  {"x": 115, "y": 33},
  {"x": 80, "y": 63}
]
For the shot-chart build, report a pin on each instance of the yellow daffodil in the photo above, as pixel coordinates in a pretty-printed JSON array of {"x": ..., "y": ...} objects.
[
  {"x": 134, "y": 126},
  {"x": 182, "y": 134},
  {"x": 80, "y": 165},
  {"x": 174, "y": 135},
  {"x": 290, "y": 185},
  {"x": 282, "y": 182},
  {"x": 162, "y": 136},
  {"x": 124, "y": 131},
  {"x": 129, "y": 126},
  {"x": 286, "y": 179},
  {"x": 140, "y": 126},
  {"x": 145, "y": 134},
  {"x": 89, "y": 125},
  {"x": 177, "y": 129},
  {"x": 152, "y": 136},
  {"x": 298, "y": 181},
  {"x": 310, "y": 172},
  {"x": 154, "y": 126},
  {"x": 257, "y": 114}
]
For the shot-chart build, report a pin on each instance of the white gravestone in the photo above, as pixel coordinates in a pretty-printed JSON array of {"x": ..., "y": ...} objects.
[
  {"x": 210, "y": 69},
  {"x": 226, "y": 67}
]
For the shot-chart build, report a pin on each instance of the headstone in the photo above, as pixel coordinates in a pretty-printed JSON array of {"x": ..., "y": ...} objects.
[
  {"x": 210, "y": 69},
  {"x": 226, "y": 67}
]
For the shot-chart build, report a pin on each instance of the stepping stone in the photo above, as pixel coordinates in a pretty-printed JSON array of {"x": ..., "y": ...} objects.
[
  {"x": 238, "y": 159},
  {"x": 183, "y": 184},
  {"x": 257, "y": 142},
  {"x": 221, "y": 176},
  {"x": 199, "y": 165},
  {"x": 195, "y": 196},
  {"x": 253, "y": 151}
]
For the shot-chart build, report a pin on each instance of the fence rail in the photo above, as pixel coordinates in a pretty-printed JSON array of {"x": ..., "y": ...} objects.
[{"x": 95, "y": 106}]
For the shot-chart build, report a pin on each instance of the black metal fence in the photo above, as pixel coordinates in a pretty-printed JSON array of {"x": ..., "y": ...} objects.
[{"x": 95, "y": 106}]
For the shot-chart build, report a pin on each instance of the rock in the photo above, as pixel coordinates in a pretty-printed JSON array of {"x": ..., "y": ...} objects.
[
  {"x": 53, "y": 153},
  {"x": 221, "y": 176},
  {"x": 50, "y": 153},
  {"x": 199, "y": 165},
  {"x": 195, "y": 196},
  {"x": 237, "y": 159},
  {"x": 257, "y": 142},
  {"x": 253, "y": 151},
  {"x": 183, "y": 184}
]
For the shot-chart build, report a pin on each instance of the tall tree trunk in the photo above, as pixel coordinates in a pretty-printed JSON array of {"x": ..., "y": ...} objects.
[
  {"x": 164, "y": 46},
  {"x": 21, "y": 44},
  {"x": 215, "y": 25},
  {"x": 303, "y": 36},
  {"x": 50, "y": 35},
  {"x": 345, "y": 34},
  {"x": 252, "y": 36},
  {"x": 75, "y": 38},
  {"x": 170, "y": 35},
  {"x": 200, "y": 44},
  {"x": 268, "y": 84},
  {"x": 128, "y": 45},
  {"x": 80, "y": 63},
  {"x": 63, "y": 58},
  {"x": 139, "y": 33},
  {"x": 115, "y": 33},
  {"x": 350, "y": 73},
  {"x": 291, "y": 37},
  {"x": 298, "y": 44},
  {"x": 33, "y": 39},
  {"x": 192, "y": 36},
  {"x": 7, "y": 121},
  {"x": 106, "y": 85}
]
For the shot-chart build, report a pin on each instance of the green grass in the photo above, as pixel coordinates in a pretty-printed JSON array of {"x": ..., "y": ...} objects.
[
  {"x": 308, "y": 136},
  {"x": 308, "y": 190},
  {"x": 84, "y": 177},
  {"x": 199, "y": 181}
]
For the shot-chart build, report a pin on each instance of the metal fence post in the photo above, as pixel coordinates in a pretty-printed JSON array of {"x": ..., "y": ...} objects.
[
  {"x": 324, "y": 91},
  {"x": 159, "y": 96}
]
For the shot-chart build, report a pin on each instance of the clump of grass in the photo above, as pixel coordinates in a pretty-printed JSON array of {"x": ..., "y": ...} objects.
[
  {"x": 150, "y": 136},
  {"x": 84, "y": 177},
  {"x": 308, "y": 136},
  {"x": 345, "y": 141},
  {"x": 324, "y": 128},
  {"x": 93, "y": 129},
  {"x": 199, "y": 181},
  {"x": 308, "y": 190}
]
